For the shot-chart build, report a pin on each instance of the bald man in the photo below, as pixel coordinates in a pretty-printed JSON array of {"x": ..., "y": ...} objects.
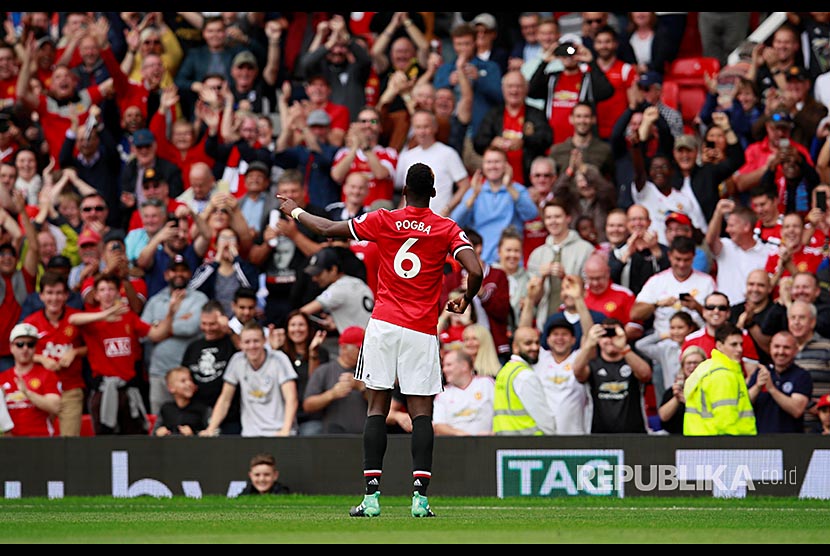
[
  {"x": 521, "y": 408},
  {"x": 750, "y": 314},
  {"x": 202, "y": 187},
  {"x": 606, "y": 297}
]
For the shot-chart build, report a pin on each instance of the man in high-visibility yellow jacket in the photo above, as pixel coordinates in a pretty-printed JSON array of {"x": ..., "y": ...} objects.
[
  {"x": 717, "y": 399},
  {"x": 519, "y": 404}
]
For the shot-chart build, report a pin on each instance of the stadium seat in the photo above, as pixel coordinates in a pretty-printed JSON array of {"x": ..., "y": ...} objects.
[
  {"x": 691, "y": 70},
  {"x": 688, "y": 75},
  {"x": 670, "y": 93}
]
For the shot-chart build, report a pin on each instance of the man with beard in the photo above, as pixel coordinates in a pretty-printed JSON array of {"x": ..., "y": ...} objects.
[
  {"x": 165, "y": 355},
  {"x": 521, "y": 408}
]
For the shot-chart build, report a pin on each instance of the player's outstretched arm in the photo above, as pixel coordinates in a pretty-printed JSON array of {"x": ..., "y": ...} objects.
[
  {"x": 475, "y": 274},
  {"x": 317, "y": 224}
]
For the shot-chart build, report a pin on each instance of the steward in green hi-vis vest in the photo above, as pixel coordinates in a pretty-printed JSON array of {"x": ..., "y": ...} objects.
[
  {"x": 510, "y": 416},
  {"x": 717, "y": 400}
]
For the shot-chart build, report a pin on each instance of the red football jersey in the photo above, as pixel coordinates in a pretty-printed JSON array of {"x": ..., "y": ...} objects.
[
  {"x": 55, "y": 341},
  {"x": 413, "y": 244},
  {"x": 615, "y": 303},
  {"x": 114, "y": 347},
  {"x": 28, "y": 420},
  {"x": 379, "y": 190}
]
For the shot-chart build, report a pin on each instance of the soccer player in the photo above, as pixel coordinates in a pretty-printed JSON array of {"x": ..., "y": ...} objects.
[{"x": 413, "y": 243}]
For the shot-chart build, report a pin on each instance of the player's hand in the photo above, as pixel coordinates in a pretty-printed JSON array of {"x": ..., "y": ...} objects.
[
  {"x": 458, "y": 305},
  {"x": 287, "y": 205}
]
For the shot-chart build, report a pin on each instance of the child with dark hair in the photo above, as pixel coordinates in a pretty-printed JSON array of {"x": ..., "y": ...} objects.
[{"x": 262, "y": 477}]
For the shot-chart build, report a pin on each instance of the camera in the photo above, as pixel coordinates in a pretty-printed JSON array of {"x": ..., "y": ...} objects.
[
  {"x": 610, "y": 332},
  {"x": 565, "y": 49}
]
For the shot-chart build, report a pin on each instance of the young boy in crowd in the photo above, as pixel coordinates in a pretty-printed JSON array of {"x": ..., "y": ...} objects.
[
  {"x": 183, "y": 416},
  {"x": 263, "y": 475}
]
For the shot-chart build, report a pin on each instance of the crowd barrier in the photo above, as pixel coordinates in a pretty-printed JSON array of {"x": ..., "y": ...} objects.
[{"x": 615, "y": 466}]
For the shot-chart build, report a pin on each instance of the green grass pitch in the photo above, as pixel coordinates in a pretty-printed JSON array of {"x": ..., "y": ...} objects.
[{"x": 299, "y": 519}]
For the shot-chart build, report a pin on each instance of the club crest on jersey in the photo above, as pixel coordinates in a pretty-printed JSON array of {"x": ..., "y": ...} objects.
[{"x": 362, "y": 218}]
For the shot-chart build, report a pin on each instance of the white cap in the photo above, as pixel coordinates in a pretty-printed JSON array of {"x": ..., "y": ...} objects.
[
  {"x": 572, "y": 38},
  {"x": 23, "y": 331},
  {"x": 487, "y": 20}
]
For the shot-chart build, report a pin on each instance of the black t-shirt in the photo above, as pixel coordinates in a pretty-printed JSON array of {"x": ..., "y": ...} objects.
[
  {"x": 195, "y": 416},
  {"x": 278, "y": 488},
  {"x": 207, "y": 362},
  {"x": 618, "y": 398},
  {"x": 675, "y": 424},
  {"x": 758, "y": 319}
]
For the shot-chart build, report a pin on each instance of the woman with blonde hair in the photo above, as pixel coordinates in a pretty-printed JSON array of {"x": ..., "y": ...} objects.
[
  {"x": 673, "y": 408},
  {"x": 479, "y": 344}
]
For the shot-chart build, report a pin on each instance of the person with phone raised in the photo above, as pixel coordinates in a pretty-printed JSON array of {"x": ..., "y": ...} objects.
[{"x": 616, "y": 375}]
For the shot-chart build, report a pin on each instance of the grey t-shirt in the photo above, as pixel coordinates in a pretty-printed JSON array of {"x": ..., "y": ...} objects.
[
  {"x": 345, "y": 416},
  {"x": 349, "y": 301},
  {"x": 263, "y": 407}
]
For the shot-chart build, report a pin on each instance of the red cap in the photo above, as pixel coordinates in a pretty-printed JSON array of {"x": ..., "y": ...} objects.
[
  {"x": 352, "y": 336},
  {"x": 823, "y": 401},
  {"x": 89, "y": 237},
  {"x": 680, "y": 218}
]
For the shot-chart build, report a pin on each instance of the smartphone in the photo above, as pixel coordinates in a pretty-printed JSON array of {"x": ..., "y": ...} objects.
[
  {"x": 685, "y": 297},
  {"x": 784, "y": 143},
  {"x": 821, "y": 200},
  {"x": 710, "y": 144},
  {"x": 610, "y": 332}
]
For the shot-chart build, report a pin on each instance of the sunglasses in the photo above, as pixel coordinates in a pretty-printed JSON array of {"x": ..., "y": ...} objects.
[
  {"x": 94, "y": 209},
  {"x": 592, "y": 21},
  {"x": 21, "y": 345},
  {"x": 723, "y": 308}
]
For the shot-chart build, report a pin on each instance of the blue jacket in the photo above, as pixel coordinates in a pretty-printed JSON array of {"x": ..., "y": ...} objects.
[{"x": 486, "y": 89}]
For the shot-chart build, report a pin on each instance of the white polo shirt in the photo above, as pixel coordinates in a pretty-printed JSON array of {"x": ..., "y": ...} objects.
[
  {"x": 735, "y": 265},
  {"x": 664, "y": 285}
]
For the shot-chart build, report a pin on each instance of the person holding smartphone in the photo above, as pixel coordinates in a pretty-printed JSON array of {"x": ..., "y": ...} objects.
[{"x": 616, "y": 375}]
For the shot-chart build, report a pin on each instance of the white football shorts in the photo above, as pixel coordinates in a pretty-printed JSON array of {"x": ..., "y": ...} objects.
[{"x": 391, "y": 353}]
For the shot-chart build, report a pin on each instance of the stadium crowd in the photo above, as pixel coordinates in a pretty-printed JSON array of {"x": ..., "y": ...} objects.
[{"x": 630, "y": 235}]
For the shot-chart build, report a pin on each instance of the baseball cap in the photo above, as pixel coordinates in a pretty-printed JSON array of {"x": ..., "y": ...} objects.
[
  {"x": 23, "y": 331},
  {"x": 567, "y": 44},
  {"x": 143, "y": 138},
  {"x": 650, "y": 78},
  {"x": 352, "y": 336},
  {"x": 781, "y": 118},
  {"x": 59, "y": 261},
  {"x": 8, "y": 247},
  {"x": 558, "y": 321},
  {"x": 318, "y": 117},
  {"x": 115, "y": 235},
  {"x": 487, "y": 20},
  {"x": 678, "y": 217},
  {"x": 797, "y": 73},
  {"x": 178, "y": 260},
  {"x": 686, "y": 142},
  {"x": 89, "y": 237},
  {"x": 823, "y": 402},
  {"x": 323, "y": 260},
  {"x": 259, "y": 166},
  {"x": 151, "y": 175},
  {"x": 245, "y": 57}
]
